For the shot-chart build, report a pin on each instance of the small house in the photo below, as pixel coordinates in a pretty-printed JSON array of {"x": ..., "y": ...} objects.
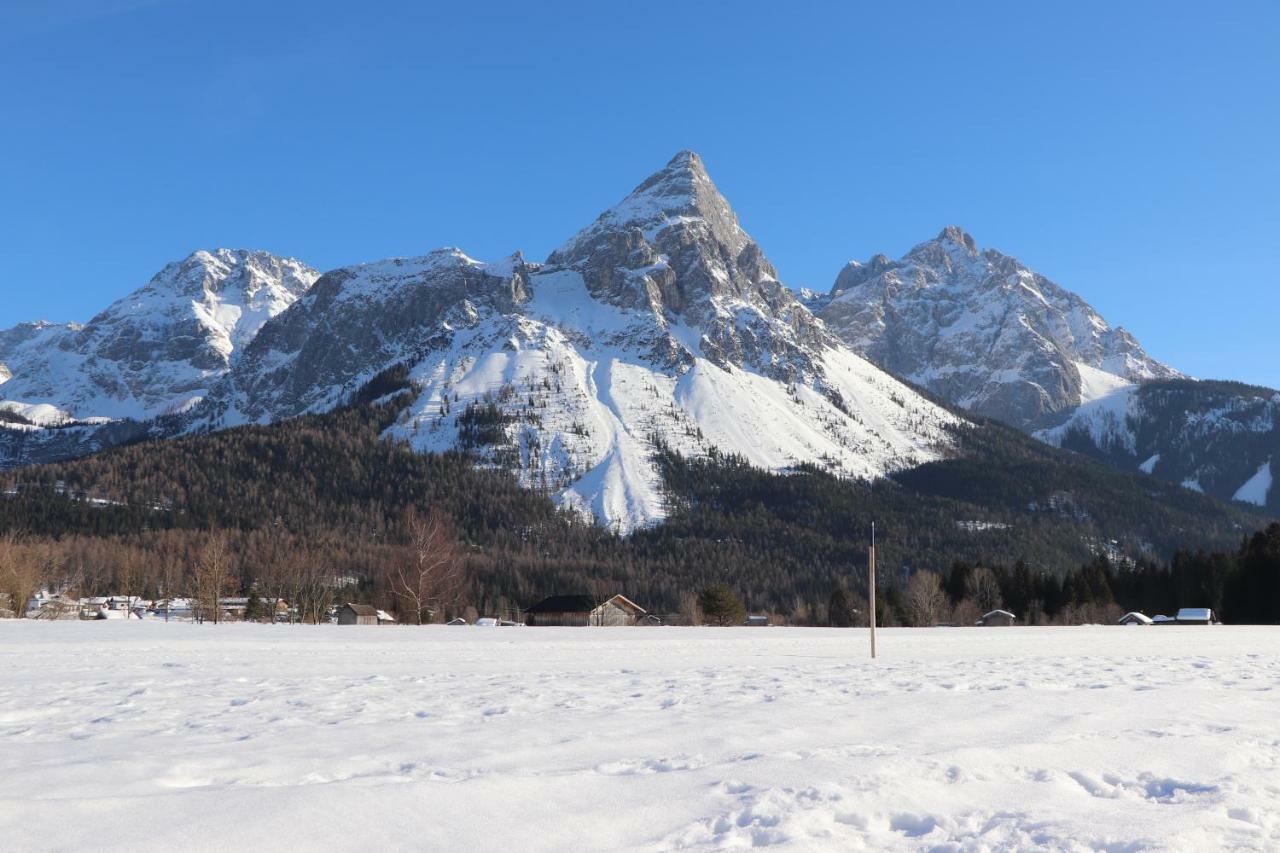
[
  {"x": 581, "y": 610},
  {"x": 997, "y": 619},
  {"x": 357, "y": 614},
  {"x": 1195, "y": 616},
  {"x": 49, "y": 606},
  {"x": 757, "y": 622},
  {"x": 1161, "y": 619},
  {"x": 1133, "y": 617}
]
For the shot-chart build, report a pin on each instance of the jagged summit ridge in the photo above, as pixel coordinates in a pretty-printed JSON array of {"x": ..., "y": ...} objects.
[
  {"x": 660, "y": 324},
  {"x": 159, "y": 348},
  {"x": 983, "y": 331}
]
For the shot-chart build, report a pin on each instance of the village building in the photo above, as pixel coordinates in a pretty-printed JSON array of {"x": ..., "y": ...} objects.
[
  {"x": 357, "y": 614},
  {"x": 583, "y": 610},
  {"x": 50, "y": 605},
  {"x": 1135, "y": 618},
  {"x": 1195, "y": 616},
  {"x": 997, "y": 619},
  {"x": 757, "y": 622}
]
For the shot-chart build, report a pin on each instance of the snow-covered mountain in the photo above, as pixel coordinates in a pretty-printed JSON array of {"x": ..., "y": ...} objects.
[
  {"x": 1220, "y": 438},
  {"x": 982, "y": 330},
  {"x": 155, "y": 351},
  {"x": 660, "y": 324}
]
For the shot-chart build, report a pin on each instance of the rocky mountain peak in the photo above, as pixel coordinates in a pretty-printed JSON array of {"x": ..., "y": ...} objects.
[
  {"x": 956, "y": 236},
  {"x": 984, "y": 331},
  {"x": 679, "y": 196},
  {"x": 205, "y": 272},
  {"x": 162, "y": 345},
  {"x": 674, "y": 248}
]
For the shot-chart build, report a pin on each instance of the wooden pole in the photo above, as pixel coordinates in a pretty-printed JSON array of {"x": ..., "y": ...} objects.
[{"x": 871, "y": 589}]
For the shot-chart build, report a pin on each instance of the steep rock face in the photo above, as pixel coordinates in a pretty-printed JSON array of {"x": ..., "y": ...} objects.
[
  {"x": 661, "y": 324},
  {"x": 983, "y": 331},
  {"x": 158, "y": 349}
]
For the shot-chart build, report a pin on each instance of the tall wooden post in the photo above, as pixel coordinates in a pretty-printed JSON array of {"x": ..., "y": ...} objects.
[{"x": 871, "y": 589}]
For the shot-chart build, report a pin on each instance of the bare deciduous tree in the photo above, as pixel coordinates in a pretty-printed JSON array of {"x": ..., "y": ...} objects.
[
  {"x": 984, "y": 588},
  {"x": 311, "y": 578},
  {"x": 212, "y": 577},
  {"x": 432, "y": 574},
  {"x": 966, "y": 613},
  {"x": 689, "y": 613},
  {"x": 22, "y": 569},
  {"x": 925, "y": 601}
]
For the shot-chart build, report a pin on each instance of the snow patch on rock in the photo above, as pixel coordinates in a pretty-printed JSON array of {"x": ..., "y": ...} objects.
[{"x": 1257, "y": 488}]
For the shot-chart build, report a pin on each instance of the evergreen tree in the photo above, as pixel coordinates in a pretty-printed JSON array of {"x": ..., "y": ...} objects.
[
  {"x": 840, "y": 609},
  {"x": 721, "y": 606}
]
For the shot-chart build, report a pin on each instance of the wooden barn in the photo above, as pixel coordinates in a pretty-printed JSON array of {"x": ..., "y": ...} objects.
[
  {"x": 997, "y": 619},
  {"x": 583, "y": 610},
  {"x": 357, "y": 614}
]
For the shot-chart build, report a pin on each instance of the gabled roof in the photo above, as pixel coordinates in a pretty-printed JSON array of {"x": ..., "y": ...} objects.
[
  {"x": 986, "y": 616},
  {"x": 1135, "y": 616},
  {"x": 564, "y": 604},
  {"x": 363, "y": 609},
  {"x": 627, "y": 604}
]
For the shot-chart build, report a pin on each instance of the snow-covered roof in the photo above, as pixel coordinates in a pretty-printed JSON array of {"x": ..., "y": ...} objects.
[
  {"x": 1133, "y": 617},
  {"x": 1006, "y": 613},
  {"x": 1195, "y": 614}
]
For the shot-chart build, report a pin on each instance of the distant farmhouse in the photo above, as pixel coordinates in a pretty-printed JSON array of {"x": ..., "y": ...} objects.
[
  {"x": 997, "y": 619},
  {"x": 357, "y": 614},
  {"x": 1135, "y": 618},
  {"x": 583, "y": 610}
]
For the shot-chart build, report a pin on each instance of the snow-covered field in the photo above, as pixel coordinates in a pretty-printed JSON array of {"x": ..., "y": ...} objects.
[{"x": 144, "y": 736}]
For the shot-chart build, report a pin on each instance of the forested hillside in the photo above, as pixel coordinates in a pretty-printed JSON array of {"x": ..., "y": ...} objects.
[{"x": 326, "y": 489}]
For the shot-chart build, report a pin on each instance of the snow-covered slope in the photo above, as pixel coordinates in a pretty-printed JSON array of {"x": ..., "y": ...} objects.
[
  {"x": 1219, "y": 436},
  {"x": 983, "y": 331},
  {"x": 157, "y": 350},
  {"x": 661, "y": 324}
]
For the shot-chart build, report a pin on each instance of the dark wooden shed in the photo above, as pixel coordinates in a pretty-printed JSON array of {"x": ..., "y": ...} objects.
[
  {"x": 582, "y": 610},
  {"x": 357, "y": 614}
]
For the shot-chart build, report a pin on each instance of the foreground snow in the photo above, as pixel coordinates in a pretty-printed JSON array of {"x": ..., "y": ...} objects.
[{"x": 146, "y": 736}]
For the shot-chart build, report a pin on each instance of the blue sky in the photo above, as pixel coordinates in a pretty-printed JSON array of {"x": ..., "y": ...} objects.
[{"x": 1130, "y": 151}]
